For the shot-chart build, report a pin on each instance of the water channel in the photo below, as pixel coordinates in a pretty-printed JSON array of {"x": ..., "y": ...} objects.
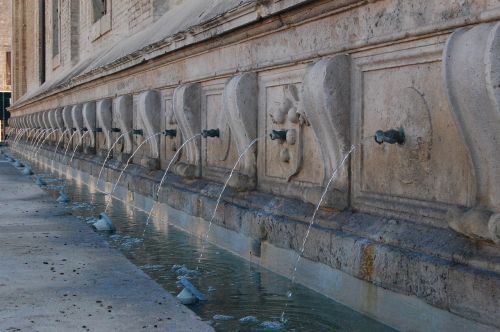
[{"x": 242, "y": 296}]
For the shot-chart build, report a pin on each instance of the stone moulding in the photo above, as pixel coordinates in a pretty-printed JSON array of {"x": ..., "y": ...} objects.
[
  {"x": 240, "y": 107},
  {"x": 89, "y": 122},
  {"x": 187, "y": 111},
  {"x": 123, "y": 116},
  {"x": 471, "y": 70},
  {"x": 326, "y": 94},
  {"x": 104, "y": 118}
]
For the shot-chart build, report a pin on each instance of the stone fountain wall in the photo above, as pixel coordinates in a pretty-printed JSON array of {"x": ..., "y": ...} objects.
[{"x": 420, "y": 219}]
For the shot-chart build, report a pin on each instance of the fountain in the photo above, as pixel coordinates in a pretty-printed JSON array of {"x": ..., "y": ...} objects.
[{"x": 138, "y": 131}]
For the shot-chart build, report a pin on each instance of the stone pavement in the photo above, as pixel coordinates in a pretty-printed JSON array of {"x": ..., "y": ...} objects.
[{"x": 56, "y": 274}]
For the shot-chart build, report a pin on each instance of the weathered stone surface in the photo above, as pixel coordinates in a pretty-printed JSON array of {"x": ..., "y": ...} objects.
[
  {"x": 123, "y": 120},
  {"x": 326, "y": 104},
  {"x": 147, "y": 119},
  {"x": 104, "y": 123},
  {"x": 472, "y": 75},
  {"x": 186, "y": 109},
  {"x": 89, "y": 123}
]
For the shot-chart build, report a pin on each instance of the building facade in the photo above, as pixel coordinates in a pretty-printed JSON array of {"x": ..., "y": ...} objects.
[
  {"x": 5, "y": 62},
  {"x": 403, "y": 226}
]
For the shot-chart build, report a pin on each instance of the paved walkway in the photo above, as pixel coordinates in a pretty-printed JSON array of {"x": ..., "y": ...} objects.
[{"x": 56, "y": 274}]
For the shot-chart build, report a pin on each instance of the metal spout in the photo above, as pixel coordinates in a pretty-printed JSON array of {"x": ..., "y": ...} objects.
[
  {"x": 392, "y": 136},
  {"x": 115, "y": 130},
  {"x": 138, "y": 132},
  {"x": 210, "y": 133},
  {"x": 84, "y": 129},
  {"x": 170, "y": 132},
  {"x": 278, "y": 135},
  {"x": 97, "y": 130}
]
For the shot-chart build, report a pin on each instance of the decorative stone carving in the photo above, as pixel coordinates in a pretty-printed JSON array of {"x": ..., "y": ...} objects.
[
  {"x": 240, "y": 108},
  {"x": 53, "y": 126},
  {"x": 472, "y": 75},
  {"x": 286, "y": 114},
  {"x": 187, "y": 106},
  {"x": 123, "y": 120},
  {"x": 77, "y": 117},
  {"x": 326, "y": 93},
  {"x": 105, "y": 123},
  {"x": 45, "y": 119},
  {"x": 148, "y": 119},
  {"x": 68, "y": 123},
  {"x": 89, "y": 122},
  {"x": 58, "y": 118}
]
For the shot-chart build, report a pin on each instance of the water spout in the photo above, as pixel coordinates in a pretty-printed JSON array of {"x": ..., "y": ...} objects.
[
  {"x": 170, "y": 132},
  {"x": 76, "y": 147},
  {"x": 126, "y": 166},
  {"x": 278, "y": 135},
  {"x": 164, "y": 177},
  {"x": 210, "y": 133},
  {"x": 205, "y": 238},
  {"x": 392, "y": 136},
  {"x": 110, "y": 150}
]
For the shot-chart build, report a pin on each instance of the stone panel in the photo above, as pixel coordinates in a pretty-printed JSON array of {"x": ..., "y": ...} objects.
[
  {"x": 287, "y": 167},
  {"x": 403, "y": 89}
]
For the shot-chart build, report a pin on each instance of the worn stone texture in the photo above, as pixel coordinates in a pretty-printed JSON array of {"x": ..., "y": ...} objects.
[{"x": 311, "y": 80}]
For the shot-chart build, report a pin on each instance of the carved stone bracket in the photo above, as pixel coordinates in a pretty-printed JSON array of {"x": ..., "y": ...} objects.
[
  {"x": 240, "y": 107},
  {"x": 89, "y": 122},
  {"x": 105, "y": 122},
  {"x": 471, "y": 69},
  {"x": 187, "y": 111},
  {"x": 68, "y": 121},
  {"x": 326, "y": 94},
  {"x": 148, "y": 119},
  {"x": 123, "y": 119},
  {"x": 52, "y": 125},
  {"x": 77, "y": 117},
  {"x": 58, "y": 122}
]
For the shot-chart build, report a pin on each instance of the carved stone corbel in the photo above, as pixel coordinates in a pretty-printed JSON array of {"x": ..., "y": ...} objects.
[
  {"x": 52, "y": 126},
  {"x": 187, "y": 111},
  {"x": 77, "y": 117},
  {"x": 89, "y": 122},
  {"x": 240, "y": 107},
  {"x": 105, "y": 123},
  {"x": 123, "y": 120},
  {"x": 326, "y": 94},
  {"x": 68, "y": 123},
  {"x": 58, "y": 123},
  {"x": 148, "y": 119},
  {"x": 471, "y": 70}
]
